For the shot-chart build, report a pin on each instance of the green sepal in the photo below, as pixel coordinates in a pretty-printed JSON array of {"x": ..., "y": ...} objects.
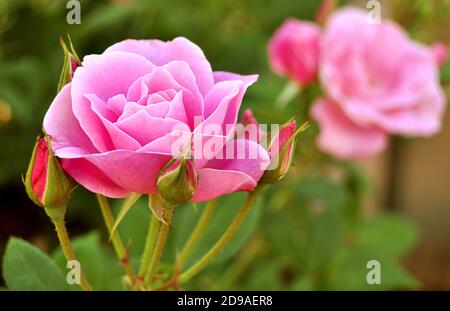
[{"x": 66, "y": 74}]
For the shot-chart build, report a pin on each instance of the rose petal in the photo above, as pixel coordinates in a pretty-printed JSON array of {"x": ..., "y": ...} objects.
[
  {"x": 105, "y": 76},
  {"x": 341, "y": 137},
  {"x": 213, "y": 183},
  {"x": 161, "y": 53},
  {"x": 61, "y": 124},
  {"x": 90, "y": 177},
  {"x": 145, "y": 128}
]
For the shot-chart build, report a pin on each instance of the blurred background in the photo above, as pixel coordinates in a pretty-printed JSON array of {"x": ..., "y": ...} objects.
[{"x": 315, "y": 230}]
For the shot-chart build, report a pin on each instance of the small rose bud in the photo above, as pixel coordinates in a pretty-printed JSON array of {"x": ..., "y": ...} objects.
[
  {"x": 294, "y": 51},
  {"x": 178, "y": 182},
  {"x": 248, "y": 118},
  {"x": 46, "y": 183},
  {"x": 71, "y": 63},
  {"x": 439, "y": 52},
  {"x": 252, "y": 129},
  {"x": 281, "y": 150}
]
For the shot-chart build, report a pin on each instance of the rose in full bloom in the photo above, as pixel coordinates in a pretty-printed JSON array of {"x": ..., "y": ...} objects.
[
  {"x": 294, "y": 51},
  {"x": 112, "y": 126},
  {"x": 377, "y": 82}
]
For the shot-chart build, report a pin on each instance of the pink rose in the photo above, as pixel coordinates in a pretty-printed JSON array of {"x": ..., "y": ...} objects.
[
  {"x": 294, "y": 51},
  {"x": 377, "y": 82},
  {"x": 112, "y": 125}
]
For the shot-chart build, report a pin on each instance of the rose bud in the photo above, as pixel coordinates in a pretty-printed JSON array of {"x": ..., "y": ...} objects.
[
  {"x": 294, "y": 51},
  {"x": 251, "y": 129},
  {"x": 248, "y": 118},
  {"x": 71, "y": 63},
  {"x": 178, "y": 182},
  {"x": 439, "y": 52},
  {"x": 46, "y": 183},
  {"x": 281, "y": 150}
]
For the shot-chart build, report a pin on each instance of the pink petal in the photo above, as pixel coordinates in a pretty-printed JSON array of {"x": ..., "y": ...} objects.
[
  {"x": 105, "y": 76},
  {"x": 162, "y": 80},
  {"x": 119, "y": 138},
  {"x": 241, "y": 155},
  {"x": 145, "y": 128},
  {"x": 129, "y": 171},
  {"x": 90, "y": 177},
  {"x": 161, "y": 53},
  {"x": 61, "y": 124},
  {"x": 116, "y": 104},
  {"x": 340, "y": 137},
  {"x": 213, "y": 183},
  {"x": 155, "y": 110}
]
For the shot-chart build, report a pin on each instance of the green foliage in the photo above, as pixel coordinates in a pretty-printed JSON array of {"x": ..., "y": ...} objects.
[
  {"x": 25, "y": 267},
  {"x": 319, "y": 242}
]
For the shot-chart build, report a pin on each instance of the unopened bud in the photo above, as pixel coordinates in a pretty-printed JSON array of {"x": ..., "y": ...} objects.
[
  {"x": 45, "y": 182},
  {"x": 178, "y": 182}
]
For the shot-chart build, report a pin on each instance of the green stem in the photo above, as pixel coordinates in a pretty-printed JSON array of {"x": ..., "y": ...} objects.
[
  {"x": 149, "y": 244},
  {"x": 196, "y": 233},
  {"x": 67, "y": 249},
  {"x": 118, "y": 245},
  {"x": 160, "y": 243},
  {"x": 223, "y": 241}
]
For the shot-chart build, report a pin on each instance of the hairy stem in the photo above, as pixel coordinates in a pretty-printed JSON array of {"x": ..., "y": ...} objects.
[
  {"x": 223, "y": 241},
  {"x": 160, "y": 243},
  {"x": 118, "y": 245},
  {"x": 196, "y": 233},
  {"x": 149, "y": 245},
  {"x": 67, "y": 249}
]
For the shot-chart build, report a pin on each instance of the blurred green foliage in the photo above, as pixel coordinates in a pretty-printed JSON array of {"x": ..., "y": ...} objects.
[{"x": 306, "y": 233}]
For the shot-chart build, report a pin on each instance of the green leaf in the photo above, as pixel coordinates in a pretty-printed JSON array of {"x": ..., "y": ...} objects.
[
  {"x": 127, "y": 205},
  {"x": 99, "y": 264},
  {"x": 384, "y": 238},
  {"x": 134, "y": 227},
  {"x": 25, "y": 267},
  {"x": 387, "y": 234},
  {"x": 349, "y": 272}
]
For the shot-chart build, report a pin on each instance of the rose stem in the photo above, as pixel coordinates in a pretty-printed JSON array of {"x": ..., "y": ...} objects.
[
  {"x": 160, "y": 243},
  {"x": 149, "y": 244},
  {"x": 196, "y": 233},
  {"x": 119, "y": 248},
  {"x": 223, "y": 241},
  {"x": 67, "y": 249}
]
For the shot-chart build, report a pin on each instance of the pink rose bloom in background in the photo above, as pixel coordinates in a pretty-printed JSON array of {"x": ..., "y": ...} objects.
[
  {"x": 294, "y": 51},
  {"x": 112, "y": 125},
  {"x": 377, "y": 82}
]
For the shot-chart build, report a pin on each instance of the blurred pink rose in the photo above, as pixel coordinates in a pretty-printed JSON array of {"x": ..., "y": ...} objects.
[
  {"x": 294, "y": 51},
  {"x": 112, "y": 125},
  {"x": 377, "y": 82}
]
